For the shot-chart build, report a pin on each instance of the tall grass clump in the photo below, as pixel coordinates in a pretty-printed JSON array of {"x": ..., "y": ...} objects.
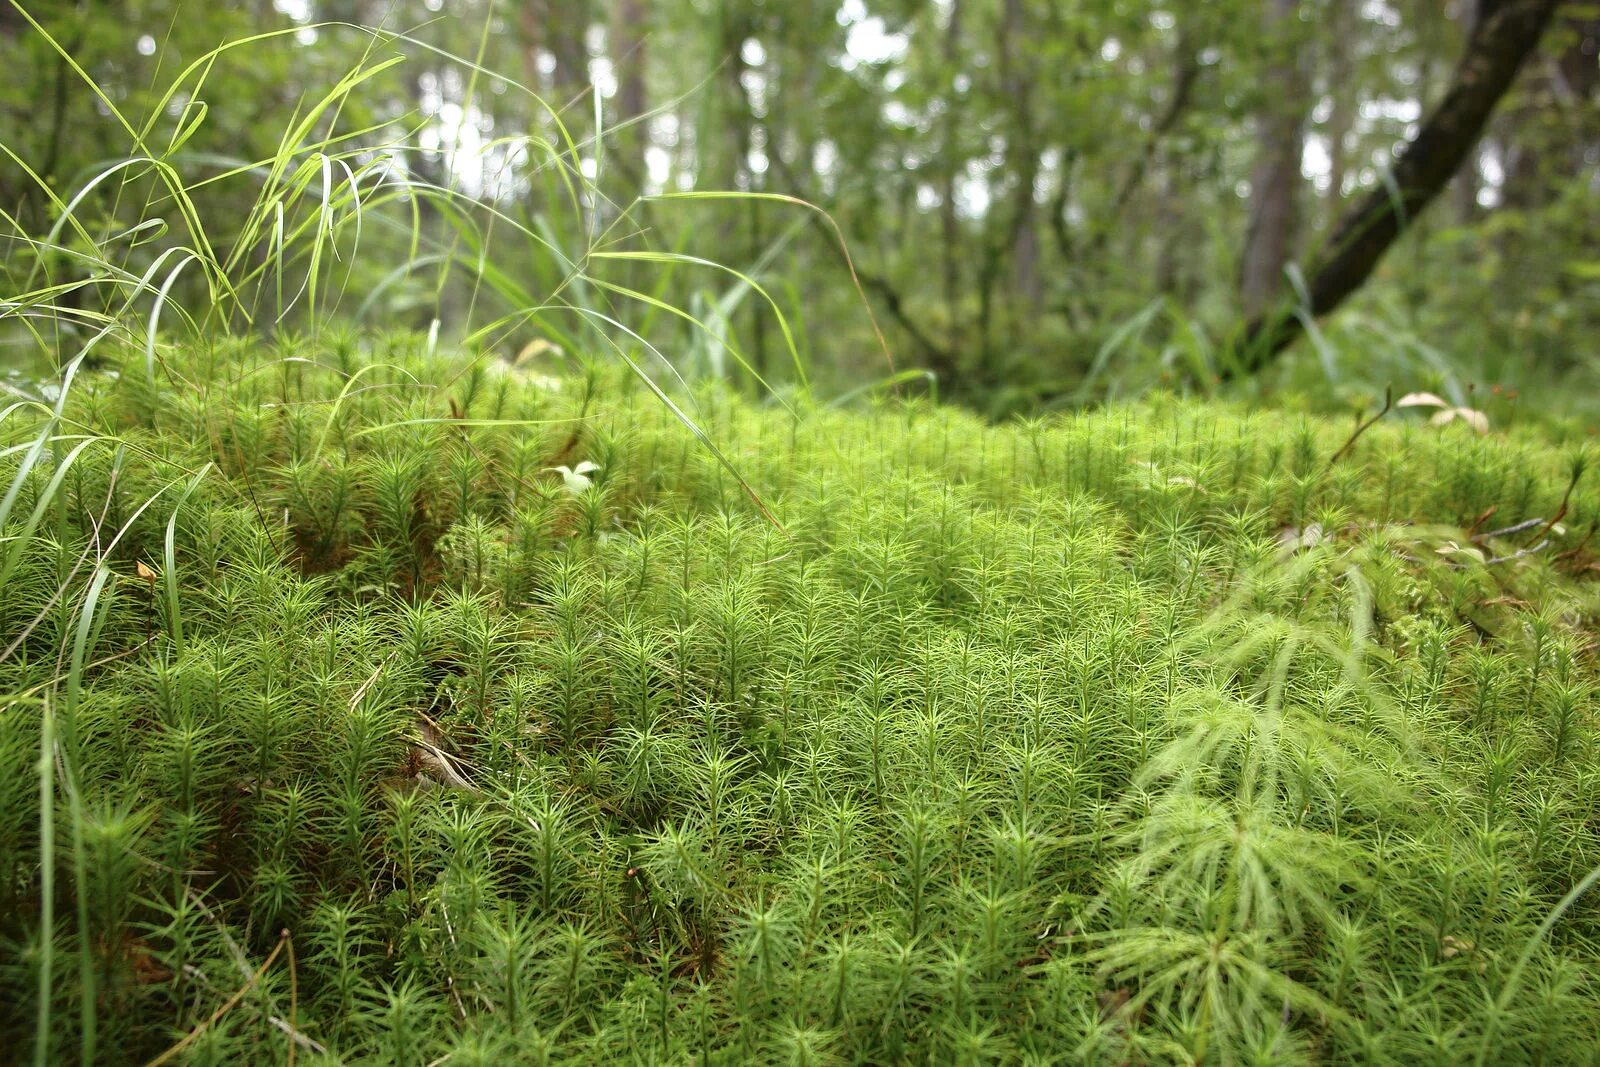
[{"x": 373, "y": 696}]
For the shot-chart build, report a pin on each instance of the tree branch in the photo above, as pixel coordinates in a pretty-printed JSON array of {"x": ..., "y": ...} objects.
[{"x": 1182, "y": 91}]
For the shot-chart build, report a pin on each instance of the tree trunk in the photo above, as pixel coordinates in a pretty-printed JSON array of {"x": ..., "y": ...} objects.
[
  {"x": 1464, "y": 187},
  {"x": 1022, "y": 155},
  {"x": 1551, "y": 108},
  {"x": 1275, "y": 182},
  {"x": 559, "y": 27},
  {"x": 1342, "y": 117},
  {"x": 628, "y": 57},
  {"x": 951, "y": 161},
  {"x": 1507, "y": 32}
]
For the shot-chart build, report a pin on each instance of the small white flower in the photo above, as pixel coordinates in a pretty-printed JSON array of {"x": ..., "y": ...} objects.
[{"x": 576, "y": 478}]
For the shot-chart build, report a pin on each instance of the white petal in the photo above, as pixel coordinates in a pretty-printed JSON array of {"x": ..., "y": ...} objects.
[
  {"x": 1420, "y": 400},
  {"x": 1474, "y": 418}
]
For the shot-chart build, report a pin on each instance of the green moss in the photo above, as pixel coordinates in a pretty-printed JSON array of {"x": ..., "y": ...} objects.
[{"x": 1137, "y": 735}]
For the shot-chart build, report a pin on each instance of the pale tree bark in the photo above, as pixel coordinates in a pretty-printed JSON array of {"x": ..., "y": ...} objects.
[
  {"x": 628, "y": 55},
  {"x": 1464, "y": 187},
  {"x": 1341, "y": 119},
  {"x": 1508, "y": 32},
  {"x": 1016, "y": 80},
  {"x": 1275, "y": 181},
  {"x": 951, "y": 161}
]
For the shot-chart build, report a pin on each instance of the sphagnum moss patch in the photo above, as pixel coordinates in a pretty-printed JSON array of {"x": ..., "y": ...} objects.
[{"x": 371, "y": 734}]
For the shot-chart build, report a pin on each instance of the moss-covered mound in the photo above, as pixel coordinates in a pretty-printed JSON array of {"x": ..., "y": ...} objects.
[{"x": 1146, "y": 735}]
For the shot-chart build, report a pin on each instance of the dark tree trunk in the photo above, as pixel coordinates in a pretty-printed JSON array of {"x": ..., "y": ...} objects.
[
  {"x": 1506, "y": 34},
  {"x": 557, "y": 26},
  {"x": 1542, "y": 152}
]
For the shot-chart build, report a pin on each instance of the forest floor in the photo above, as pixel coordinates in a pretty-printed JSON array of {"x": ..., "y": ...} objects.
[{"x": 1158, "y": 733}]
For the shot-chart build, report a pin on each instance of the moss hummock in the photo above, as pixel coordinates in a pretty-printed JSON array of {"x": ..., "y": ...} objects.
[{"x": 1139, "y": 735}]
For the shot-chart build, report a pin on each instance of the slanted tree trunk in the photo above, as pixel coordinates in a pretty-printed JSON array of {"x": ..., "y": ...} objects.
[
  {"x": 1275, "y": 181},
  {"x": 1506, "y": 34}
]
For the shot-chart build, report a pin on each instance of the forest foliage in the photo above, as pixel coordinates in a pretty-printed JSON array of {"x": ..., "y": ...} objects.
[{"x": 1046, "y": 202}]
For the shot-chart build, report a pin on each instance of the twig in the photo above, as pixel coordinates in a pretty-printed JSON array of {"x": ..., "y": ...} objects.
[
  {"x": 243, "y": 963},
  {"x": 1566, "y": 498},
  {"x": 1508, "y": 531},
  {"x": 1483, "y": 516},
  {"x": 448, "y": 768},
  {"x": 1388, "y": 402},
  {"x": 294, "y": 992},
  {"x": 371, "y": 678},
  {"x": 1572, "y": 552},
  {"x": 101, "y": 662},
  {"x": 276, "y": 1021},
  {"x": 227, "y": 1005},
  {"x": 1540, "y": 547}
]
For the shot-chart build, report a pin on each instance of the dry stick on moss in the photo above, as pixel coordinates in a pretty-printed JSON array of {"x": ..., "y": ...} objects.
[
  {"x": 443, "y": 766},
  {"x": 277, "y": 1022},
  {"x": 243, "y": 963},
  {"x": 250, "y": 983},
  {"x": 1476, "y": 529},
  {"x": 1507, "y": 531},
  {"x": 62, "y": 676},
  {"x": 1519, "y": 553},
  {"x": 1388, "y": 402}
]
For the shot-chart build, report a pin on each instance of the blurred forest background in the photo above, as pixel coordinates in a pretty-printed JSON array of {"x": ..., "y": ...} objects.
[{"x": 1047, "y": 201}]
